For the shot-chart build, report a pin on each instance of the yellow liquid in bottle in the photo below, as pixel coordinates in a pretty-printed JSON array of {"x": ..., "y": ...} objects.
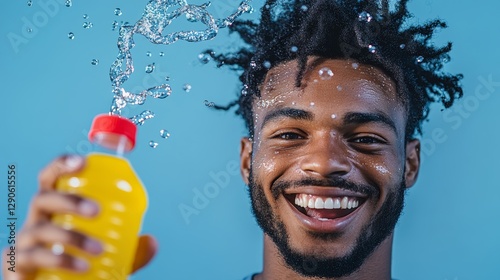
[{"x": 112, "y": 183}]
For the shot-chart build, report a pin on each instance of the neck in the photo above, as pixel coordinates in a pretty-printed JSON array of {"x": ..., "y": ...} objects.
[{"x": 377, "y": 266}]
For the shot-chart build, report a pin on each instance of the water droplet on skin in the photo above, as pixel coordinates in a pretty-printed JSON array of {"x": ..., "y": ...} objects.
[
  {"x": 150, "y": 68},
  {"x": 355, "y": 65},
  {"x": 365, "y": 17},
  {"x": 293, "y": 103},
  {"x": 69, "y": 3},
  {"x": 94, "y": 61},
  {"x": 266, "y": 64},
  {"x": 372, "y": 48},
  {"x": 339, "y": 88},
  {"x": 71, "y": 35},
  {"x": 419, "y": 59},
  {"x": 402, "y": 46},
  {"x": 161, "y": 54},
  {"x": 87, "y": 25},
  {"x": 186, "y": 87},
  {"x": 30, "y": 3},
  {"x": 164, "y": 134},
  {"x": 204, "y": 58},
  {"x": 153, "y": 144},
  {"x": 325, "y": 73},
  {"x": 118, "y": 12},
  {"x": 294, "y": 49},
  {"x": 85, "y": 16},
  {"x": 149, "y": 54},
  {"x": 304, "y": 8},
  {"x": 311, "y": 104},
  {"x": 334, "y": 116}
]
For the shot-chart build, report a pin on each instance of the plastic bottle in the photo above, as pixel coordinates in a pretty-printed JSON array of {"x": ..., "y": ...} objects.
[{"x": 109, "y": 180}]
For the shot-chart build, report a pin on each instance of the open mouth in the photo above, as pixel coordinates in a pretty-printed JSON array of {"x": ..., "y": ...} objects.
[{"x": 324, "y": 208}]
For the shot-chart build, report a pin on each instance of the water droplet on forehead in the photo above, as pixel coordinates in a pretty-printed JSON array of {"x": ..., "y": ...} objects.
[
  {"x": 150, "y": 68},
  {"x": 372, "y": 48},
  {"x": 153, "y": 144},
  {"x": 204, "y": 58},
  {"x": 68, "y": 3},
  {"x": 71, "y": 35},
  {"x": 149, "y": 54},
  {"x": 334, "y": 116},
  {"x": 339, "y": 88},
  {"x": 186, "y": 87},
  {"x": 87, "y": 25},
  {"x": 94, "y": 61},
  {"x": 311, "y": 104},
  {"x": 355, "y": 65},
  {"x": 30, "y": 3},
  {"x": 85, "y": 16},
  {"x": 402, "y": 46},
  {"x": 266, "y": 64},
  {"x": 419, "y": 59},
  {"x": 164, "y": 134},
  {"x": 118, "y": 11},
  {"x": 365, "y": 17},
  {"x": 294, "y": 49},
  {"x": 325, "y": 73}
]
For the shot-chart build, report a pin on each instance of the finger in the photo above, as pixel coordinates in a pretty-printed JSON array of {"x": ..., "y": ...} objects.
[
  {"x": 61, "y": 166},
  {"x": 49, "y": 233},
  {"x": 31, "y": 260},
  {"x": 49, "y": 203},
  {"x": 146, "y": 250}
]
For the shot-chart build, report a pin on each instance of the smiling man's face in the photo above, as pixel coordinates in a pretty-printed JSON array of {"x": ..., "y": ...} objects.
[{"x": 328, "y": 164}]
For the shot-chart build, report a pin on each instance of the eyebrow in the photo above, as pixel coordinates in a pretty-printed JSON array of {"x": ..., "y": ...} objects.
[
  {"x": 363, "y": 118},
  {"x": 287, "y": 112}
]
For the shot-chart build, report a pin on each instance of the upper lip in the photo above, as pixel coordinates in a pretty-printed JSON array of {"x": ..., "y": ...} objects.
[{"x": 324, "y": 191}]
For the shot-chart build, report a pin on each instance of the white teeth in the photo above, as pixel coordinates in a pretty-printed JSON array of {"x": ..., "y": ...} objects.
[
  {"x": 319, "y": 204},
  {"x": 329, "y": 203},
  {"x": 343, "y": 203},
  {"x": 315, "y": 202},
  {"x": 336, "y": 203},
  {"x": 310, "y": 204}
]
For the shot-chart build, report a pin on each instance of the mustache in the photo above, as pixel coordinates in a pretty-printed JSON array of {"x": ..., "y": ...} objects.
[{"x": 280, "y": 186}]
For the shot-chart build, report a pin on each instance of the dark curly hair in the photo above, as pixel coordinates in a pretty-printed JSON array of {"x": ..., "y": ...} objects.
[{"x": 365, "y": 31}]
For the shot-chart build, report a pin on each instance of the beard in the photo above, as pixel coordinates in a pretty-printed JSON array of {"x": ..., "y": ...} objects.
[{"x": 313, "y": 265}]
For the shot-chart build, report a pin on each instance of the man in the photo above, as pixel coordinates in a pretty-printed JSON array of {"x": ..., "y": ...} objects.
[{"x": 334, "y": 93}]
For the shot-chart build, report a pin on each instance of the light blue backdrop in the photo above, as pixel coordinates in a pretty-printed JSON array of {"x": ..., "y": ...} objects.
[{"x": 50, "y": 93}]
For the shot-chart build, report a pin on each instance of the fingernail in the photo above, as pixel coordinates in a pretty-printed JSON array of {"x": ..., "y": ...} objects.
[
  {"x": 73, "y": 161},
  {"x": 88, "y": 208},
  {"x": 80, "y": 265},
  {"x": 92, "y": 246}
]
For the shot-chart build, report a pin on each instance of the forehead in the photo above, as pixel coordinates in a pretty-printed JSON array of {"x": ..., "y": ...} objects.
[{"x": 335, "y": 85}]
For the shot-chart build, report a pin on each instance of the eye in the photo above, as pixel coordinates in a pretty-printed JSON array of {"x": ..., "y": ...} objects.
[
  {"x": 368, "y": 140},
  {"x": 289, "y": 136}
]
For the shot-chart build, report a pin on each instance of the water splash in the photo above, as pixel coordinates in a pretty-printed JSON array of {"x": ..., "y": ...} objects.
[{"x": 157, "y": 16}]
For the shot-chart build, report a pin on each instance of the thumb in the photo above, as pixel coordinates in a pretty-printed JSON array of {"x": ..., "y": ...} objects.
[{"x": 146, "y": 250}]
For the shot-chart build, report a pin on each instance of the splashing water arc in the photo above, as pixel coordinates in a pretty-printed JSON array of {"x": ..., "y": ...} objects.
[{"x": 155, "y": 19}]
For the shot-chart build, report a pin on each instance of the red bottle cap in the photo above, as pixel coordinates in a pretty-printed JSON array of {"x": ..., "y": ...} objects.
[{"x": 110, "y": 128}]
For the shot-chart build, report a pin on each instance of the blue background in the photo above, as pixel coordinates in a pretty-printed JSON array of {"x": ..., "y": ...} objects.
[{"x": 51, "y": 92}]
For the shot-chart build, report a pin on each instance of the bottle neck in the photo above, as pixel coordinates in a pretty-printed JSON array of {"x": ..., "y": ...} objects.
[{"x": 110, "y": 143}]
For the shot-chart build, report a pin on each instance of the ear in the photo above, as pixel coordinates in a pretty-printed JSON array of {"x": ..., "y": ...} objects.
[
  {"x": 245, "y": 158},
  {"x": 412, "y": 164}
]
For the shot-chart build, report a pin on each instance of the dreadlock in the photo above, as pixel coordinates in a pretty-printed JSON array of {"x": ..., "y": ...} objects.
[{"x": 362, "y": 30}]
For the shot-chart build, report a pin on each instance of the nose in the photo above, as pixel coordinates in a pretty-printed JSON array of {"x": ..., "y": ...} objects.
[{"x": 326, "y": 156}]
